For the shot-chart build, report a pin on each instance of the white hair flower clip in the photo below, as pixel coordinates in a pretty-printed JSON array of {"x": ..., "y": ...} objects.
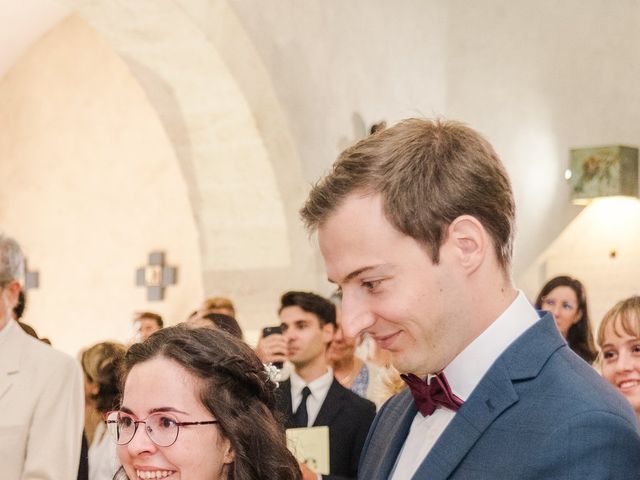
[{"x": 273, "y": 373}]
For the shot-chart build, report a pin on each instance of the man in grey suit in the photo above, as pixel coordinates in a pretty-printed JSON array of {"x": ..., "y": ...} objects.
[
  {"x": 416, "y": 225},
  {"x": 41, "y": 394}
]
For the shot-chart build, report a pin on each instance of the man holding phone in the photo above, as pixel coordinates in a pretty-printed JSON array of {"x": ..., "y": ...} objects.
[{"x": 312, "y": 396}]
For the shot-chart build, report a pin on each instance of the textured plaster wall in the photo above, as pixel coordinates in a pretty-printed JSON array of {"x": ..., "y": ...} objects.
[
  {"x": 600, "y": 247},
  {"x": 254, "y": 100},
  {"x": 215, "y": 100},
  {"x": 90, "y": 184},
  {"x": 338, "y": 67},
  {"x": 538, "y": 78}
]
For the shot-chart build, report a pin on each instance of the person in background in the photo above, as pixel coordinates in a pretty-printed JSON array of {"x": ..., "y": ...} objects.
[
  {"x": 100, "y": 365},
  {"x": 619, "y": 343},
  {"x": 40, "y": 391},
  {"x": 565, "y": 297},
  {"x": 312, "y": 396},
  {"x": 219, "y": 305},
  {"x": 350, "y": 370},
  {"x": 216, "y": 320},
  {"x": 144, "y": 324},
  {"x": 198, "y": 405}
]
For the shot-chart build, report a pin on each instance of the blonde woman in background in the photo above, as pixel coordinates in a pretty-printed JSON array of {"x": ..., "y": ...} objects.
[
  {"x": 619, "y": 342},
  {"x": 100, "y": 364}
]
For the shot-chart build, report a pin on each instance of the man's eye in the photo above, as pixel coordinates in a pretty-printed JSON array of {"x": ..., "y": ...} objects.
[{"x": 371, "y": 285}]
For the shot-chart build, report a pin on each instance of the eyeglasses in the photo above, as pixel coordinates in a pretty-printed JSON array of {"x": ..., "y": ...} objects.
[
  {"x": 551, "y": 303},
  {"x": 162, "y": 429}
]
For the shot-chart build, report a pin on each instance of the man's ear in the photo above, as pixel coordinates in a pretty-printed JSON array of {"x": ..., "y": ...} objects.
[
  {"x": 328, "y": 332},
  {"x": 13, "y": 291},
  {"x": 469, "y": 241}
]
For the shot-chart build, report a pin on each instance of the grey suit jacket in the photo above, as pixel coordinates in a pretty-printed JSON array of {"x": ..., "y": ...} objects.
[
  {"x": 540, "y": 412},
  {"x": 41, "y": 410}
]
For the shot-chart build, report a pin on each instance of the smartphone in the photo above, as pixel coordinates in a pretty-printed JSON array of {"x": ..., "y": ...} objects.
[{"x": 266, "y": 331}]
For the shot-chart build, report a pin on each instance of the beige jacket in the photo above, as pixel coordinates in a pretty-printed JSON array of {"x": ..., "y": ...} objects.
[{"x": 41, "y": 409}]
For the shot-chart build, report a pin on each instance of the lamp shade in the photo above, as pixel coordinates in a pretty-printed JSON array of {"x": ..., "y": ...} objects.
[{"x": 603, "y": 172}]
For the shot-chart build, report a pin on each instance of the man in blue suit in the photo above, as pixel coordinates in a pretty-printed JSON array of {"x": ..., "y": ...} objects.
[{"x": 416, "y": 226}]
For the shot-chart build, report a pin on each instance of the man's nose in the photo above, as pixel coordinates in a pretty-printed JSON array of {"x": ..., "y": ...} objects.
[
  {"x": 288, "y": 334},
  {"x": 356, "y": 317}
]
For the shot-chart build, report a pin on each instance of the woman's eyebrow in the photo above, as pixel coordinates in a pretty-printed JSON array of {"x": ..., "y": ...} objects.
[
  {"x": 153, "y": 410},
  {"x": 166, "y": 409}
]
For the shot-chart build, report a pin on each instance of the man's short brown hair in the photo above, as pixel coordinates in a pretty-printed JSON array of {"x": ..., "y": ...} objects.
[{"x": 428, "y": 173}]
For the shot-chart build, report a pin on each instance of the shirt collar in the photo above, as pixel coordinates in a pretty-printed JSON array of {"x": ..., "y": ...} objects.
[
  {"x": 467, "y": 369},
  {"x": 317, "y": 386}
]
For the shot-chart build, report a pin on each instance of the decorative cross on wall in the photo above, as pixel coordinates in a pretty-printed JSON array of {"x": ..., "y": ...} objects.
[
  {"x": 156, "y": 276},
  {"x": 31, "y": 278}
]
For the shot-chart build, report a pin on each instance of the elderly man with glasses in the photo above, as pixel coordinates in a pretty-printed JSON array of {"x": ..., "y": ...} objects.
[{"x": 41, "y": 395}]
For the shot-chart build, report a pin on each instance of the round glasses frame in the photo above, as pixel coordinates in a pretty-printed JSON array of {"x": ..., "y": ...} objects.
[{"x": 114, "y": 420}]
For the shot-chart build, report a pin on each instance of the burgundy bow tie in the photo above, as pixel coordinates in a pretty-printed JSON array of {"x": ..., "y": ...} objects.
[{"x": 427, "y": 396}]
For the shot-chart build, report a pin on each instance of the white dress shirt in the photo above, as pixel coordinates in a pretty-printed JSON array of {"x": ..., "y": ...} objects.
[
  {"x": 463, "y": 374},
  {"x": 319, "y": 389},
  {"x": 103, "y": 458}
]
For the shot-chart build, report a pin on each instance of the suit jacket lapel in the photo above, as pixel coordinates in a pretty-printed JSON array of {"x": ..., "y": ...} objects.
[
  {"x": 397, "y": 425},
  {"x": 331, "y": 406},
  {"x": 493, "y": 395},
  {"x": 283, "y": 401},
  {"x": 10, "y": 358}
]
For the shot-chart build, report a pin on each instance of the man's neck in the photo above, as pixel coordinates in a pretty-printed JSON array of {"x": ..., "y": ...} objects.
[
  {"x": 487, "y": 307},
  {"x": 312, "y": 370}
]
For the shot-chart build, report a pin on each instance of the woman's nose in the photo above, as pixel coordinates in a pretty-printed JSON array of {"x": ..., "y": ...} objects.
[{"x": 141, "y": 443}]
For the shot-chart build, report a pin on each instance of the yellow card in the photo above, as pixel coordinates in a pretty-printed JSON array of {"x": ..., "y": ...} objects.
[{"x": 311, "y": 446}]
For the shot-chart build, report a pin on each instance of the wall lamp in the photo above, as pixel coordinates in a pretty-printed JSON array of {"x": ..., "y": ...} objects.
[{"x": 602, "y": 172}]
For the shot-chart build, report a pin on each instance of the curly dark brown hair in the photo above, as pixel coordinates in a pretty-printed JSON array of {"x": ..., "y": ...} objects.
[{"x": 235, "y": 388}]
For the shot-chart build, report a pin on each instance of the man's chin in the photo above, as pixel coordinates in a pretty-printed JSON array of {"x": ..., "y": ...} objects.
[{"x": 404, "y": 363}]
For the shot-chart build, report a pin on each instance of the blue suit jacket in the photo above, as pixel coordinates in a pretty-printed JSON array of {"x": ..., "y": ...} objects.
[{"x": 540, "y": 412}]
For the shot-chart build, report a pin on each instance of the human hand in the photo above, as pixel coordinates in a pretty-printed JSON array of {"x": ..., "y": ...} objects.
[
  {"x": 307, "y": 473},
  {"x": 272, "y": 349}
]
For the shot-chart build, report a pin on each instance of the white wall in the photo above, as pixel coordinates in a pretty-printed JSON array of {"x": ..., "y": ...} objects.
[
  {"x": 90, "y": 185},
  {"x": 538, "y": 78},
  {"x": 340, "y": 66},
  {"x": 286, "y": 86}
]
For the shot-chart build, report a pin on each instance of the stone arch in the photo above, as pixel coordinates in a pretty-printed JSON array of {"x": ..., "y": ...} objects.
[{"x": 238, "y": 170}]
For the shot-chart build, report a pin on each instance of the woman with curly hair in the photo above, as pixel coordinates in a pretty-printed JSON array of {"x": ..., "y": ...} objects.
[
  {"x": 198, "y": 404},
  {"x": 566, "y": 299}
]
